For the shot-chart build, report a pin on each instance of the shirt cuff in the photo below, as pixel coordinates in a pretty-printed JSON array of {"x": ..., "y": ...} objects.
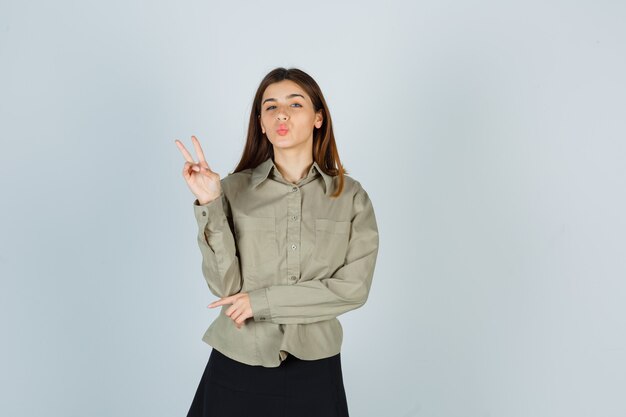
[
  {"x": 210, "y": 214},
  {"x": 260, "y": 305}
]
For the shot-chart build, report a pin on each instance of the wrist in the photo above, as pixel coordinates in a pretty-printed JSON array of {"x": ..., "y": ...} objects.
[{"x": 202, "y": 201}]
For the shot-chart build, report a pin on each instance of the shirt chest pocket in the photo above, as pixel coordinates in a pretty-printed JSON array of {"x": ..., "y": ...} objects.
[
  {"x": 331, "y": 241},
  {"x": 256, "y": 240}
]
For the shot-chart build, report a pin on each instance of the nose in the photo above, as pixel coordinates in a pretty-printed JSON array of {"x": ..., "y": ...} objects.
[{"x": 282, "y": 114}]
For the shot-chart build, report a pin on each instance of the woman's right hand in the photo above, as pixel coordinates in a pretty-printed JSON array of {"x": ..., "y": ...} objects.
[{"x": 203, "y": 183}]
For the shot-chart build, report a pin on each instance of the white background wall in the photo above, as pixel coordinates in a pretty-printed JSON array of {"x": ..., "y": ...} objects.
[{"x": 489, "y": 135}]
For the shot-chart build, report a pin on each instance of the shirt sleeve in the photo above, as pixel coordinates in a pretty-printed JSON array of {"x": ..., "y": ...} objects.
[
  {"x": 326, "y": 298},
  {"x": 220, "y": 263}
]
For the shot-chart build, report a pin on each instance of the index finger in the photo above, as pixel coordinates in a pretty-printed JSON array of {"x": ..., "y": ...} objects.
[
  {"x": 196, "y": 144},
  {"x": 227, "y": 300}
]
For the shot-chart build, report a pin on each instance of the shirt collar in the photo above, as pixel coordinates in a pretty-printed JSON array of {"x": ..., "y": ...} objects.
[{"x": 262, "y": 171}]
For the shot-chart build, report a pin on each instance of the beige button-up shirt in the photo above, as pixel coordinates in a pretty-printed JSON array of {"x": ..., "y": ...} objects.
[{"x": 304, "y": 258}]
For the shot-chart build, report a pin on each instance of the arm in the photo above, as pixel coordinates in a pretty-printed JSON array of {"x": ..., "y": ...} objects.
[
  {"x": 324, "y": 299},
  {"x": 220, "y": 264}
]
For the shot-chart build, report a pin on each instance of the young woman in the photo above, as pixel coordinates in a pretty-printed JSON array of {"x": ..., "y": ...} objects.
[{"x": 288, "y": 243}]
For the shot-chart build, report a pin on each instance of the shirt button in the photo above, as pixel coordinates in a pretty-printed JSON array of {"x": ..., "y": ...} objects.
[
  {"x": 293, "y": 247},
  {"x": 292, "y": 278},
  {"x": 262, "y": 318},
  {"x": 294, "y": 217},
  {"x": 294, "y": 189},
  {"x": 204, "y": 213}
]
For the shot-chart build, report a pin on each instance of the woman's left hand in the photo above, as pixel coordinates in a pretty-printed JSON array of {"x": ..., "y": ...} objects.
[{"x": 239, "y": 311}]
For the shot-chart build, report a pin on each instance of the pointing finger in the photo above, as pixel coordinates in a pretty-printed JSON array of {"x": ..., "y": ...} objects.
[
  {"x": 221, "y": 302},
  {"x": 196, "y": 144}
]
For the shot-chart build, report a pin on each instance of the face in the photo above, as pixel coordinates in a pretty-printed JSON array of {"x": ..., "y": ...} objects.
[{"x": 287, "y": 116}]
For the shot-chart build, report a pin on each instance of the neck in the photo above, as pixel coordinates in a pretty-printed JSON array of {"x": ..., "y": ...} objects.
[{"x": 293, "y": 165}]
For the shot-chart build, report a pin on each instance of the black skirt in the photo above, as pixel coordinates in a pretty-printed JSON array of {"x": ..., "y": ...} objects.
[{"x": 296, "y": 388}]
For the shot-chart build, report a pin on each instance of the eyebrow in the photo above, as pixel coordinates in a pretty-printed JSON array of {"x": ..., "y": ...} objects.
[{"x": 289, "y": 96}]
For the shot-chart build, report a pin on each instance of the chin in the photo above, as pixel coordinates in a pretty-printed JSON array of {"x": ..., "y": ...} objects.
[{"x": 283, "y": 143}]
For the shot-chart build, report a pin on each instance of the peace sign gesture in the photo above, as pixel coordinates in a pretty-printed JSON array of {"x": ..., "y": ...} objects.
[{"x": 203, "y": 183}]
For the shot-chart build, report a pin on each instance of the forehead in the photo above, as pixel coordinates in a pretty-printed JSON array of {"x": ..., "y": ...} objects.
[{"x": 282, "y": 89}]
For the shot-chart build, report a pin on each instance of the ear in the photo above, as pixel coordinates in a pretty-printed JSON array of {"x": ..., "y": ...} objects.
[
  {"x": 261, "y": 123},
  {"x": 319, "y": 119}
]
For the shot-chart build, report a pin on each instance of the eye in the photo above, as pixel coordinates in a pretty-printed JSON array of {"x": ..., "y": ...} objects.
[{"x": 294, "y": 104}]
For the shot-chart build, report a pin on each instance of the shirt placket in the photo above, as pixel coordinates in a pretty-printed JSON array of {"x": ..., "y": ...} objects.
[{"x": 294, "y": 208}]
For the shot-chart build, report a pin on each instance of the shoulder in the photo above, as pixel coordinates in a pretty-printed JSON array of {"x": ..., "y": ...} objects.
[{"x": 353, "y": 187}]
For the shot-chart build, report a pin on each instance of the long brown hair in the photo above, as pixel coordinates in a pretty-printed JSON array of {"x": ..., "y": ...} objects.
[{"x": 258, "y": 147}]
